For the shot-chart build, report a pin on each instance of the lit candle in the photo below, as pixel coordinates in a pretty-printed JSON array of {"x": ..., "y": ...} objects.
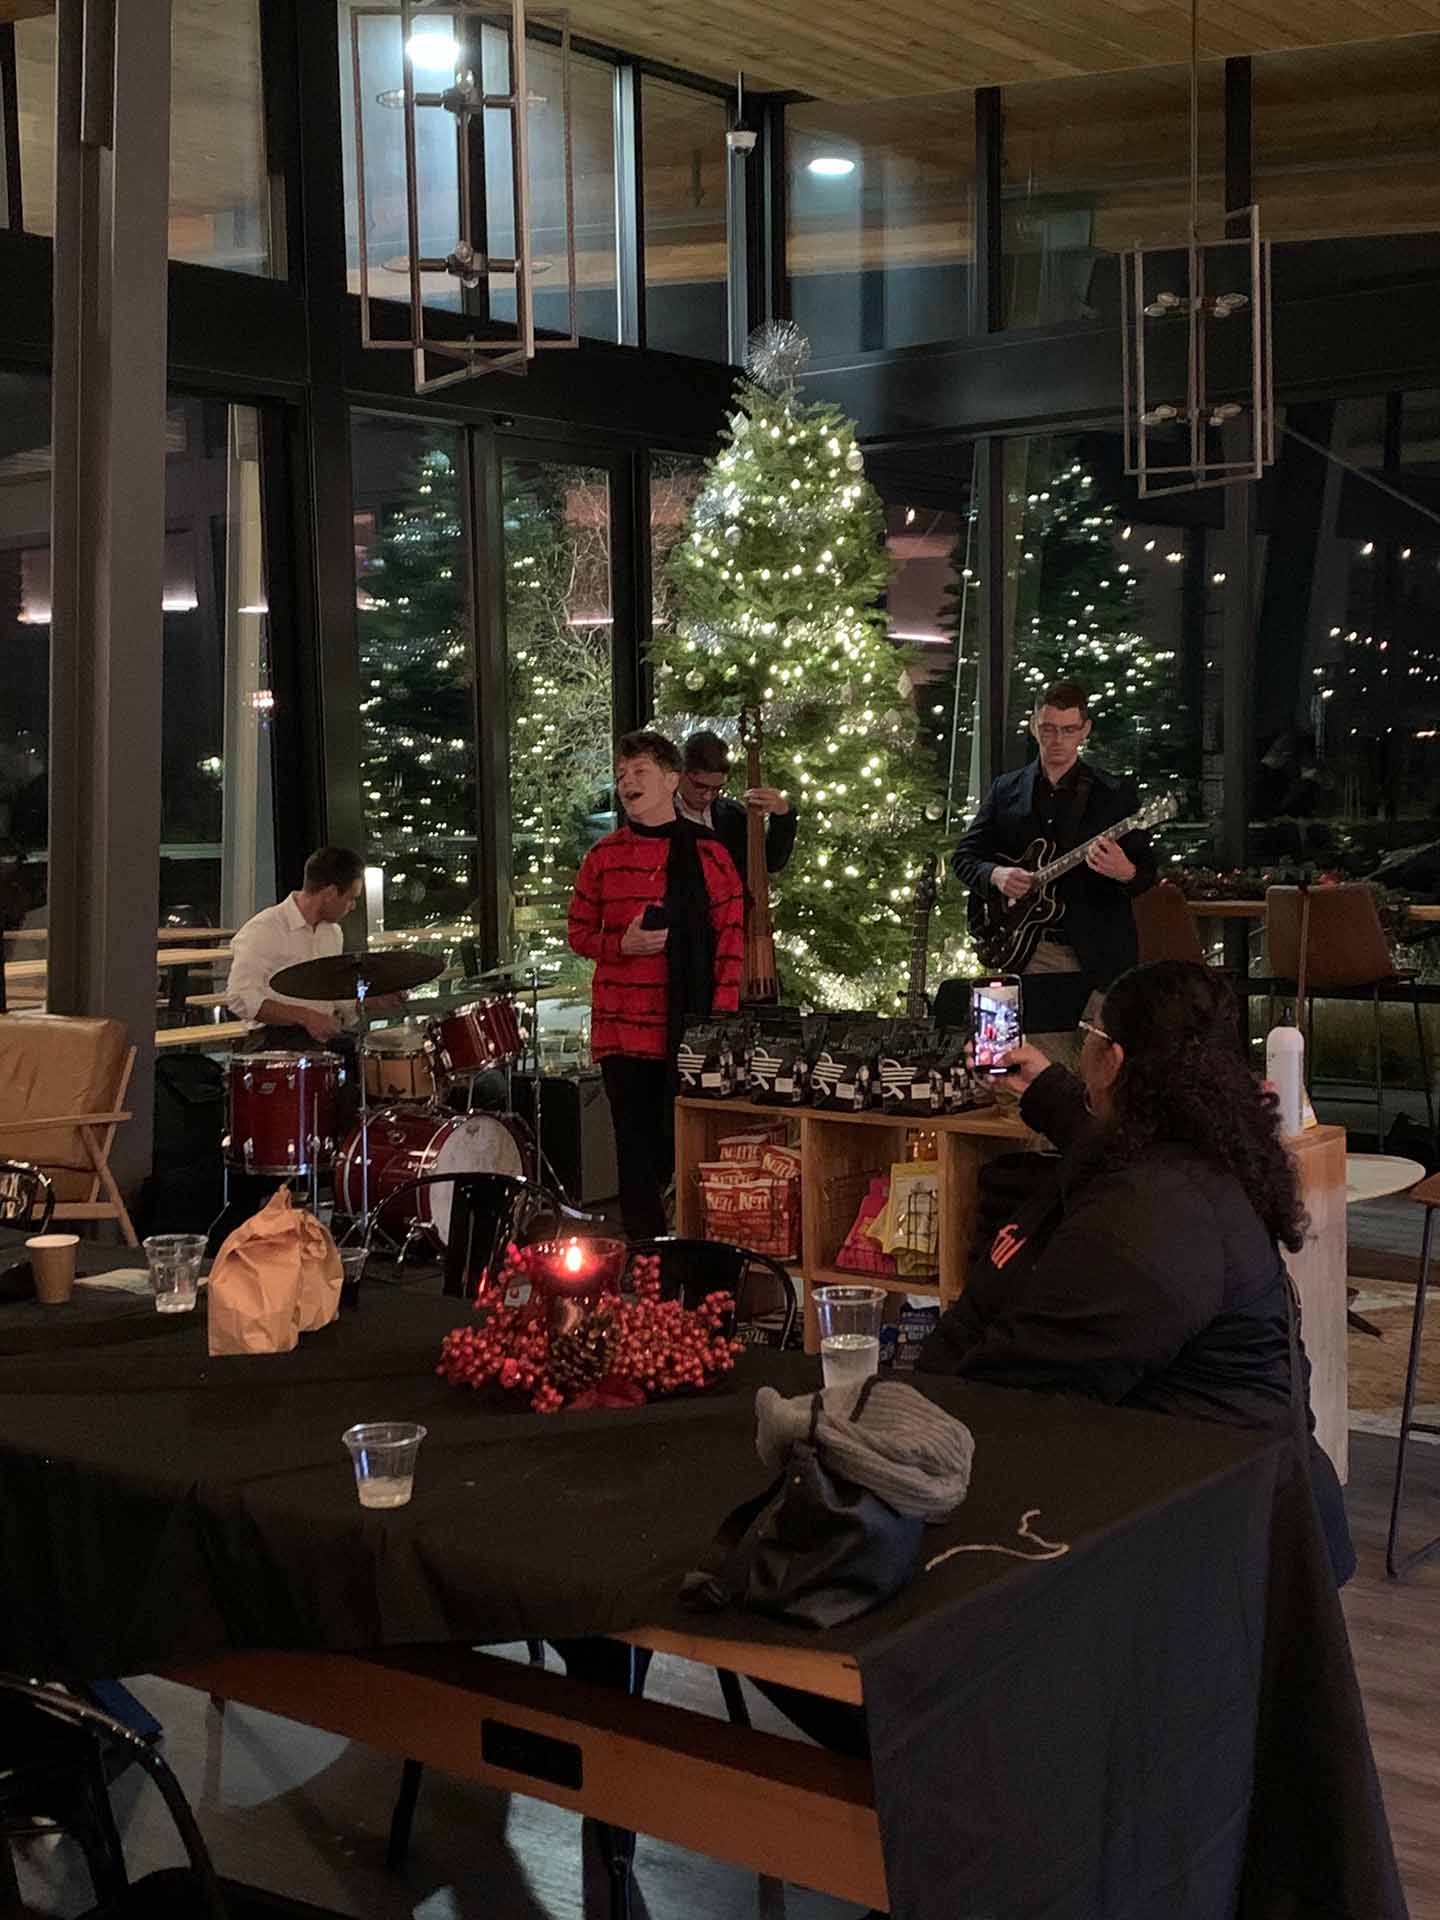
[{"x": 574, "y": 1273}]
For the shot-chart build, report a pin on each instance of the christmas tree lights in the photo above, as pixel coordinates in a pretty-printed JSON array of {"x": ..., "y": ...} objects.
[
  {"x": 1077, "y": 616},
  {"x": 777, "y": 583}
]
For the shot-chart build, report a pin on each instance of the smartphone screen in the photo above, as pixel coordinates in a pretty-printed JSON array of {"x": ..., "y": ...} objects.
[
  {"x": 655, "y": 916},
  {"x": 994, "y": 1020}
]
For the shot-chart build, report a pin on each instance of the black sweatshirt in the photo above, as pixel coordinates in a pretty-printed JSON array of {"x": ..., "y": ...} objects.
[{"x": 1153, "y": 1285}]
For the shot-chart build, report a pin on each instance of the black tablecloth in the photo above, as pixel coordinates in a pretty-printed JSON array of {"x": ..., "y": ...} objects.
[{"x": 1073, "y": 1737}]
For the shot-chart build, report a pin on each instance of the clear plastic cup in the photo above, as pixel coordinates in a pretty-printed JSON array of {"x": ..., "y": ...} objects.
[
  {"x": 383, "y": 1454},
  {"x": 175, "y": 1260},
  {"x": 849, "y": 1320}
]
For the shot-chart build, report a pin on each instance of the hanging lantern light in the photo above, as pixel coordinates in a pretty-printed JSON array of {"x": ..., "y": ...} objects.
[
  {"x": 1180, "y": 434},
  {"x": 482, "y": 46}
]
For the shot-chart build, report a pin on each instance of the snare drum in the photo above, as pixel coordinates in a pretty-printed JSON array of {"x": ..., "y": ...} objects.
[
  {"x": 408, "y": 1143},
  {"x": 398, "y": 1065},
  {"x": 469, "y": 1039},
  {"x": 282, "y": 1111}
]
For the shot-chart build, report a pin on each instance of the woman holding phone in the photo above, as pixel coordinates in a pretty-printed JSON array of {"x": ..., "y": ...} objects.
[{"x": 1147, "y": 1271}]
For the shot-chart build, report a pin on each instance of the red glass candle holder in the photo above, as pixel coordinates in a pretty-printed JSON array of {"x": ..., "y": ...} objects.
[{"x": 574, "y": 1275}]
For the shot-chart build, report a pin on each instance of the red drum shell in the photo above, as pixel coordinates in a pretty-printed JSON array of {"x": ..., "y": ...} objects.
[
  {"x": 398, "y": 1065},
  {"x": 407, "y": 1143},
  {"x": 469, "y": 1039},
  {"x": 282, "y": 1111}
]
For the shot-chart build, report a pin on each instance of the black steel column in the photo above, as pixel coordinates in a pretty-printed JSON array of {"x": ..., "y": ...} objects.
[
  {"x": 112, "y": 195},
  {"x": 987, "y": 276}
]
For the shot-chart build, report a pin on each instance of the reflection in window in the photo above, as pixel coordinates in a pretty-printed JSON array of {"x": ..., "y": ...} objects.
[
  {"x": 558, "y": 614},
  {"x": 1346, "y": 138},
  {"x": 417, "y": 700},
  {"x": 675, "y": 479},
  {"x": 25, "y": 685},
  {"x": 1097, "y": 594},
  {"x": 686, "y": 255},
  {"x": 879, "y": 201},
  {"x": 592, "y": 137},
  {"x": 935, "y": 605},
  {"x": 217, "y": 851},
  {"x": 220, "y": 190},
  {"x": 1094, "y": 165},
  {"x": 1345, "y": 765}
]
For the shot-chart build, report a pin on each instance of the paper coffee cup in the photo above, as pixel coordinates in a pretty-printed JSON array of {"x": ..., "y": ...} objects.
[{"x": 52, "y": 1261}]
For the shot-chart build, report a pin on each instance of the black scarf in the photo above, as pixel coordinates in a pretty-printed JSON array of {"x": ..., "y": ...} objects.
[{"x": 690, "y": 950}]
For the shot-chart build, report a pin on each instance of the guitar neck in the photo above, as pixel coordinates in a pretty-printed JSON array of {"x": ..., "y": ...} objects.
[{"x": 1053, "y": 869}]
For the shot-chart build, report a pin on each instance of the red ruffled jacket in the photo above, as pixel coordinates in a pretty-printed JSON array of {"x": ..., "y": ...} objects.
[{"x": 620, "y": 876}]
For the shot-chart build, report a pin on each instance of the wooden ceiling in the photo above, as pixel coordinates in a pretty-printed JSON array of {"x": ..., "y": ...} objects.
[{"x": 858, "y": 50}]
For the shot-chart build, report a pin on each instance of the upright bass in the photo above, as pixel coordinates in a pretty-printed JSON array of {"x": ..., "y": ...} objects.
[{"x": 760, "y": 981}]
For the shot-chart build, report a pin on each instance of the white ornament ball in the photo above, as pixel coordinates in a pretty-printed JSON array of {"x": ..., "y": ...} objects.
[
  {"x": 855, "y": 460},
  {"x": 732, "y": 536},
  {"x": 934, "y": 811},
  {"x": 694, "y": 681},
  {"x": 891, "y": 718}
]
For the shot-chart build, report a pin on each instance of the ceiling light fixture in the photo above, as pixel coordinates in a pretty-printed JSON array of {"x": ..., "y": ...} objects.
[
  {"x": 447, "y": 43},
  {"x": 831, "y": 166},
  {"x": 433, "y": 51},
  {"x": 1174, "y": 330}
]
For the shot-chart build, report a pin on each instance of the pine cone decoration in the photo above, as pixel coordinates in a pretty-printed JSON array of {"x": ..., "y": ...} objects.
[{"x": 582, "y": 1356}]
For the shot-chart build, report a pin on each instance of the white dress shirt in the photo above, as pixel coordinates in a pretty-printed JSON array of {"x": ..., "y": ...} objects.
[
  {"x": 277, "y": 937},
  {"x": 705, "y": 817}
]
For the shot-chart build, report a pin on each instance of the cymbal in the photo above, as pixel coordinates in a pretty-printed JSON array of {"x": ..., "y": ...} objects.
[
  {"x": 337, "y": 976},
  {"x": 511, "y": 976}
]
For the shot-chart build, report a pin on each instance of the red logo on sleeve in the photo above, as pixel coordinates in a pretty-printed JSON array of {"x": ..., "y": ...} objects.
[{"x": 1006, "y": 1244}]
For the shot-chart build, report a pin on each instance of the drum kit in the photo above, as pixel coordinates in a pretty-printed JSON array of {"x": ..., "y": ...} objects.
[{"x": 423, "y": 1079}]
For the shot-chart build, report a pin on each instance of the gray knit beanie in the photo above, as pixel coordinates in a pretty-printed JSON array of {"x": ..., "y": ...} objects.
[{"x": 903, "y": 1447}]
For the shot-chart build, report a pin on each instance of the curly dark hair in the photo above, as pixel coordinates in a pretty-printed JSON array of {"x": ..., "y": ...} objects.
[{"x": 1185, "y": 1082}]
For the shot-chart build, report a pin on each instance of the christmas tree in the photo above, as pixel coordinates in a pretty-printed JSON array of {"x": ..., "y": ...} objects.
[
  {"x": 1077, "y": 616},
  {"x": 417, "y": 710},
  {"x": 557, "y": 588},
  {"x": 777, "y": 586}
]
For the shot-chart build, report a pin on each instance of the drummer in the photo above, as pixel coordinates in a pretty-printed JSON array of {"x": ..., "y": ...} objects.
[{"x": 305, "y": 925}]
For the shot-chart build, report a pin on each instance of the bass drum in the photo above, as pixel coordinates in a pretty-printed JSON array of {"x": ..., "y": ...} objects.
[{"x": 408, "y": 1143}]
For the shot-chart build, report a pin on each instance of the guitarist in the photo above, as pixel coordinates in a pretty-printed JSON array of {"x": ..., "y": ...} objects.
[{"x": 1063, "y": 799}]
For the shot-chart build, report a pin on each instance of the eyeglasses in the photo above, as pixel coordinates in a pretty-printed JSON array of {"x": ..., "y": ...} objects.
[
  {"x": 712, "y": 784},
  {"x": 1089, "y": 1026},
  {"x": 1047, "y": 731}
]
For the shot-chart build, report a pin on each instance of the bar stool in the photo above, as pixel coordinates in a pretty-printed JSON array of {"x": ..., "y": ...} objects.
[
  {"x": 1165, "y": 926},
  {"x": 1428, "y": 1196},
  {"x": 1347, "y": 958}
]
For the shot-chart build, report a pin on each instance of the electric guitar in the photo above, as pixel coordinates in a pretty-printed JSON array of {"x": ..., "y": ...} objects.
[
  {"x": 1007, "y": 932},
  {"x": 920, "y": 937}
]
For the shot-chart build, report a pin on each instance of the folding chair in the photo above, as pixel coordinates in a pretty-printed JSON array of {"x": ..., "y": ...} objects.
[{"x": 76, "y": 1741}]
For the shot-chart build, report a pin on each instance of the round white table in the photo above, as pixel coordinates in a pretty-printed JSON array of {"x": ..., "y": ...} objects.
[{"x": 1374, "y": 1176}]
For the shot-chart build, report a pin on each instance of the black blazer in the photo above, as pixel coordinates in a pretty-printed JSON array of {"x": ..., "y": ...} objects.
[
  {"x": 1098, "y": 921},
  {"x": 731, "y": 818}
]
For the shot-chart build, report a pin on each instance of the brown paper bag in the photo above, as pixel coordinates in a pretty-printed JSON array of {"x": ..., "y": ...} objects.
[{"x": 276, "y": 1277}]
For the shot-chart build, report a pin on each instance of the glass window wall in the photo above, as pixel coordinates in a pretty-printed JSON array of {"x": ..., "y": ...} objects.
[
  {"x": 417, "y": 680},
  {"x": 220, "y": 187},
  {"x": 879, "y": 200},
  {"x": 1091, "y": 166},
  {"x": 1109, "y": 590},
  {"x": 686, "y": 250},
  {"x": 25, "y": 687},
  {"x": 1347, "y": 139},
  {"x": 217, "y": 812},
  {"x": 558, "y": 616}
]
